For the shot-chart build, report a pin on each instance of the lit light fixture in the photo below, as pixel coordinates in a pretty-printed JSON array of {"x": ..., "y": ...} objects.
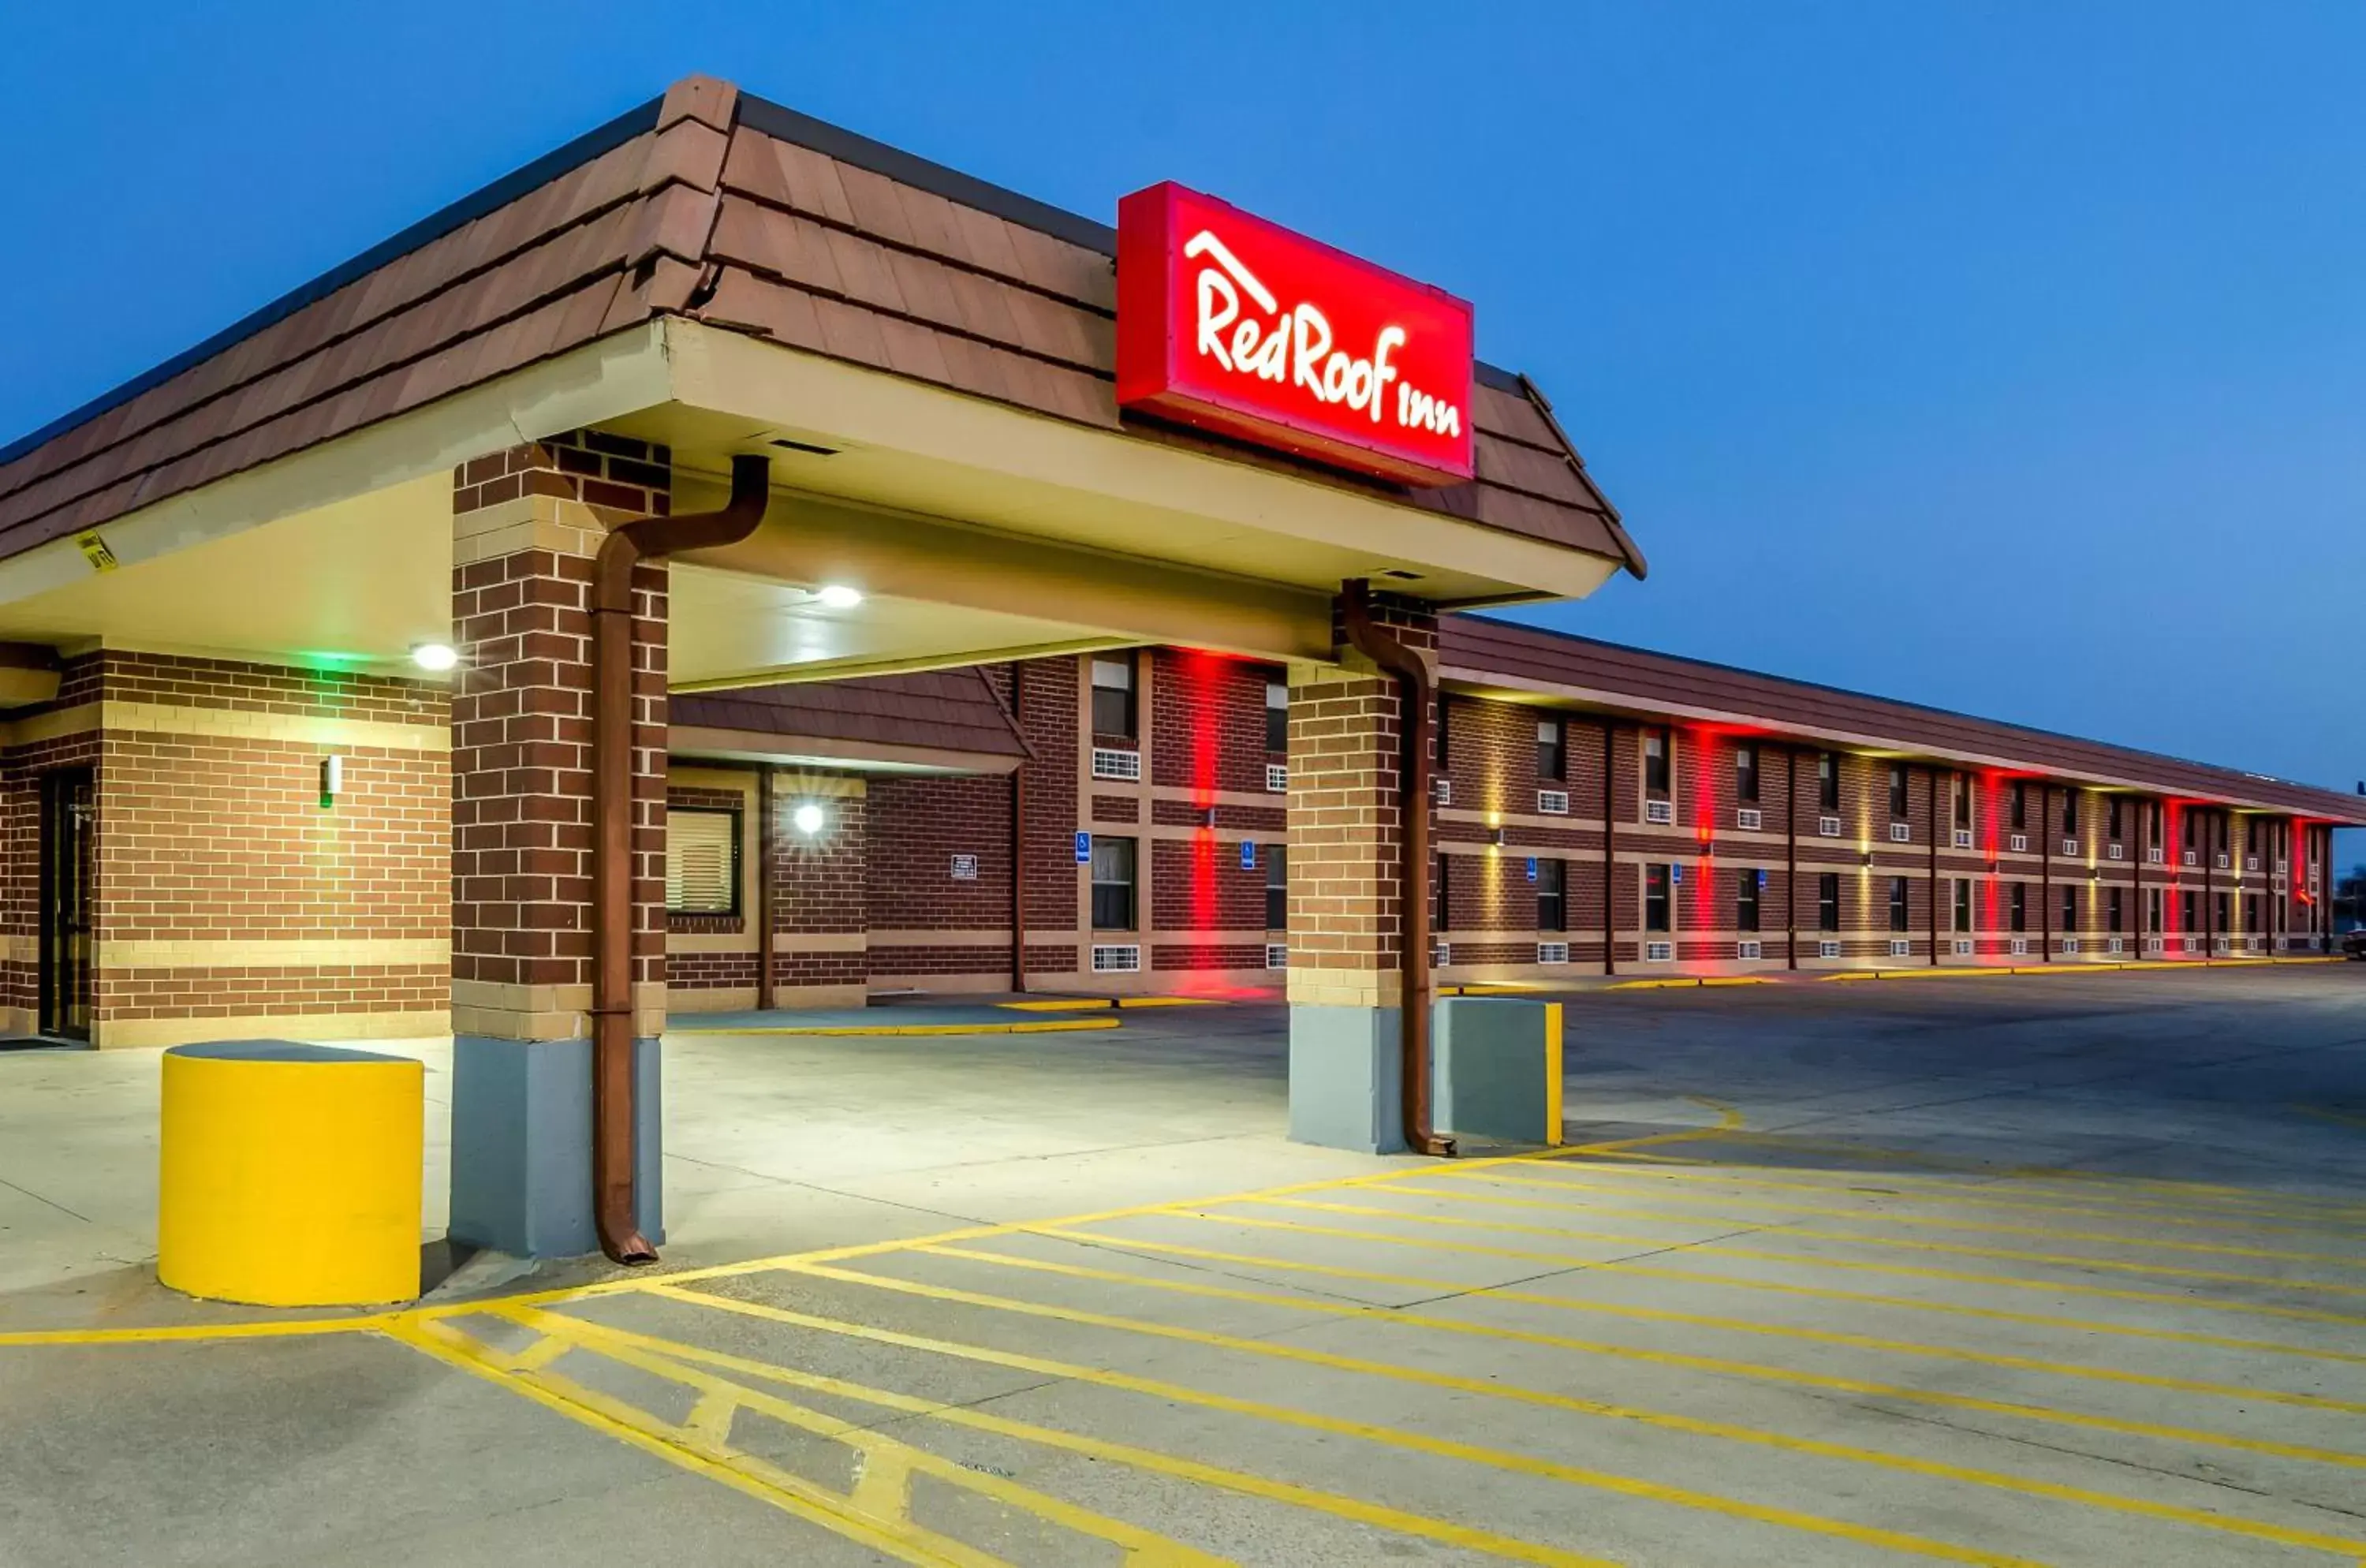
[
  {"x": 839, "y": 596},
  {"x": 435, "y": 656},
  {"x": 808, "y": 819},
  {"x": 1499, "y": 838}
]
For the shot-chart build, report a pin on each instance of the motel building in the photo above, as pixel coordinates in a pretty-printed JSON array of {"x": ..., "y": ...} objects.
[{"x": 732, "y": 564}]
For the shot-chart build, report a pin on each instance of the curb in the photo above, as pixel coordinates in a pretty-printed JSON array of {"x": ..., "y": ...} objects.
[
  {"x": 1097, "y": 1004},
  {"x": 1034, "y": 1026}
]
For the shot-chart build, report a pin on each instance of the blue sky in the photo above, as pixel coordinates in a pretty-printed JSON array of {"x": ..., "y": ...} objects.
[{"x": 2009, "y": 356}]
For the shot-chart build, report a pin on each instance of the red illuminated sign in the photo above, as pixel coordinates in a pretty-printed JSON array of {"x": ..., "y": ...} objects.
[{"x": 1231, "y": 324}]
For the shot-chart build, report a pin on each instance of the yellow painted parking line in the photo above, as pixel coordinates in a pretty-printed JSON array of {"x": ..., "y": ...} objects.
[
  {"x": 2108, "y": 1238},
  {"x": 1392, "y": 1436},
  {"x": 194, "y": 1333},
  {"x": 880, "y": 1496},
  {"x": 1720, "y": 1249},
  {"x": 1876, "y": 1244},
  {"x": 1153, "y": 1460},
  {"x": 2086, "y": 1372},
  {"x": 1962, "y": 1196},
  {"x": 683, "y": 1447},
  {"x": 1037, "y": 1026},
  {"x": 1715, "y": 1365},
  {"x": 2256, "y": 1529},
  {"x": 1061, "y": 1004}
]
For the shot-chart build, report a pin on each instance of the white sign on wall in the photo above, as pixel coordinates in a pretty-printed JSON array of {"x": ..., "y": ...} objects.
[{"x": 964, "y": 868}]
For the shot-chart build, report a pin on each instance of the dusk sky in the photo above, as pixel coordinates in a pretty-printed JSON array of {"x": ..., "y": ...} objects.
[{"x": 2009, "y": 358}]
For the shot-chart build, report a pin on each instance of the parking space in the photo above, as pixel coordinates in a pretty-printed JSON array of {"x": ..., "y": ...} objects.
[{"x": 2066, "y": 1271}]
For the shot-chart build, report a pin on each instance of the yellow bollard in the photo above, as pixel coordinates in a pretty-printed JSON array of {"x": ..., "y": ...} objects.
[{"x": 290, "y": 1174}]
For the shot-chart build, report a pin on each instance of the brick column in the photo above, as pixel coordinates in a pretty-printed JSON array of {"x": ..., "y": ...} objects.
[
  {"x": 1346, "y": 903},
  {"x": 526, "y": 526}
]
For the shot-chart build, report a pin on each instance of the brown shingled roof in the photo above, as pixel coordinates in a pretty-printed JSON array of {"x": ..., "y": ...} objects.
[
  {"x": 736, "y": 211},
  {"x": 1481, "y": 651},
  {"x": 939, "y": 710}
]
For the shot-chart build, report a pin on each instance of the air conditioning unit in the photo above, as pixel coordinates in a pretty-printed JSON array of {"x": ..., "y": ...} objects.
[
  {"x": 1659, "y": 811},
  {"x": 1659, "y": 951},
  {"x": 1111, "y": 763},
  {"x": 2153, "y": 856},
  {"x": 1827, "y": 949},
  {"x": 1754, "y": 949},
  {"x": 1827, "y": 827},
  {"x": 1963, "y": 838},
  {"x": 1899, "y": 833},
  {"x": 1441, "y": 954},
  {"x": 2192, "y": 859},
  {"x": 2070, "y": 946},
  {"x": 1899, "y": 947},
  {"x": 2220, "y": 944},
  {"x": 2115, "y": 945},
  {"x": 2281, "y": 865},
  {"x": 1441, "y": 789},
  {"x": 1552, "y": 802},
  {"x": 2223, "y": 862},
  {"x": 2116, "y": 852},
  {"x": 1277, "y": 955},
  {"x": 1963, "y": 947},
  {"x": 2021, "y": 947},
  {"x": 2252, "y": 943},
  {"x": 2250, "y": 863},
  {"x": 2018, "y": 843},
  {"x": 2192, "y": 944},
  {"x": 1748, "y": 818},
  {"x": 1116, "y": 959},
  {"x": 2071, "y": 847},
  {"x": 1277, "y": 778},
  {"x": 1552, "y": 952},
  {"x": 2152, "y": 944}
]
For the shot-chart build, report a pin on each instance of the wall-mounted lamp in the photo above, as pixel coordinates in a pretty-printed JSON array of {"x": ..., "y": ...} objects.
[
  {"x": 1868, "y": 858},
  {"x": 808, "y": 819},
  {"x": 332, "y": 779},
  {"x": 1206, "y": 816},
  {"x": 436, "y": 657},
  {"x": 1498, "y": 838}
]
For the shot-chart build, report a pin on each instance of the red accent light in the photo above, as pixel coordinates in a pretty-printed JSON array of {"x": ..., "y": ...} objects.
[{"x": 1230, "y": 322}]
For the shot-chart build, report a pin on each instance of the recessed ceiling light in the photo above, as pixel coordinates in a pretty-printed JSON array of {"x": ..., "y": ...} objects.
[
  {"x": 436, "y": 656},
  {"x": 839, "y": 596}
]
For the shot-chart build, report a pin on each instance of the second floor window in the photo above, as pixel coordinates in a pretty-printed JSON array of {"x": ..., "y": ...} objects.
[
  {"x": 1897, "y": 791},
  {"x": 2116, "y": 814},
  {"x": 2069, "y": 813},
  {"x": 1113, "y": 709},
  {"x": 1655, "y": 761},
  {"x": 1276, "y": 717},
  {"x": 1114, "y": 872},
  {"x": 2019, "y": 799},
  {"x": 1962, "y": 791},
  {"x": 1745, "y": 773},
  {"x": 1828, "y": 780},
  {"x": 1552, "y": 750}
]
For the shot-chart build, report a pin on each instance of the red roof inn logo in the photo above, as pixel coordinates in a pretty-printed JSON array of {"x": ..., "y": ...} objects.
[{"x": 1231, "y": 324}]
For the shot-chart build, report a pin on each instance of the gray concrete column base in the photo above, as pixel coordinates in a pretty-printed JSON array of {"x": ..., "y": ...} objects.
[
  {"x": 522, "y": 1144},
  {"x": 1345, "y": 1078}
]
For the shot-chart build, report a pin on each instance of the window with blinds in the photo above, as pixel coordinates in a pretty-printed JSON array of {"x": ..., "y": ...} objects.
[{"x": 702, "y": 861}]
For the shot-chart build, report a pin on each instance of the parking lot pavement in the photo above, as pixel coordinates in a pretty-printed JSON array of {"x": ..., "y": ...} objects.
[{"x": 2069, "y": 1274}]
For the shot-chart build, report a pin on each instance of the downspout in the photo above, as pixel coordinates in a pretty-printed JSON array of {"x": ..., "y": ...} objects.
[
  {"x": 767, "y": 978},
  {"x": 1018, "y": 879},
  {"x": 1930, "y": 804},
  {"x": 615, "y": 1200},
  {"x": 1609, "y": 848},
  {"x": 2045, "y": 874},
  {"x": 1418, "y": 692},
  {"x": 1790, "y": 857}
]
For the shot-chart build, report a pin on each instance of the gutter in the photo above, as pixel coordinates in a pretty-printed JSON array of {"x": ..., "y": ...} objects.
[
  {"x": 1419, "y": 692},
  {"x": 615, "y": 1198}
]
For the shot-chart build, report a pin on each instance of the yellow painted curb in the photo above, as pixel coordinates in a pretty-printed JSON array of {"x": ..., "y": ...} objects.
[
  {"x": 1038, "y": 1026},
  {"x": 1103, "y": 1004},
  {"x": 1677, "y": 982}
]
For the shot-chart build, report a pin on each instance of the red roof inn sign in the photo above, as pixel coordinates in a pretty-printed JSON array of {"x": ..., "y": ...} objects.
[{"x": 1233, "y": 325}]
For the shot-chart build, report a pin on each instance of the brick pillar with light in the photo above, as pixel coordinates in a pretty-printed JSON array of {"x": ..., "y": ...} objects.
[
  {"x": 1346, "y": 894},
  {"x": 526, "y": 524}
]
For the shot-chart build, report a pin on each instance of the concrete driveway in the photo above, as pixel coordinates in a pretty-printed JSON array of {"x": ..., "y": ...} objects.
[{"x": 2026, "y": 1270}]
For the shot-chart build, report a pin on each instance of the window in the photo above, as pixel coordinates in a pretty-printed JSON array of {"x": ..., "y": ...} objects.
[
  {"x": 1655, "y": 898},
  {"x": 1962, "y": 903},
  {"x": 2185, "y": 907},
  {"x": 2218, "y": 912},
  {"x": 2112, "y": 912},
  {"x": 1552, "y": 752},
  {"x": 702, "y": 861},
  {"x": 1745, "y": 771},
  {"x": 1828, "y": 780},
  {"x": 1441, "y": 911},
  {"x": 2021, "y": 905},
  {"x": 1655, "y": 761},
  {"x": 1962, "y": 793},
  {"x": 2069, "y": 813},
  {"x": 1276, "y": 717},
  {"x": 2251, "y": 921},
  {"x": 2116, "y": 819},
  {"x": 2020, "y": 809},
  {"x": 2152, "y": 824},
  {"x": 1897, "y": 906},
  {"x": 2070, "y": 908},
  {"x": 1828, "y": 900},
  {"x": 2189, "y": 829},
  {"x": 1277, "y": 887},
  {"x": 1445, "y": 708},
  {"x": 1552, "y": 899},
  {"x": 1897, "y": 791},
  {"x": 1745, "y": 900},
  {"x": 1113, "y": 711},
  {"x": 1112, "y": 883},
  {"x": 2251, "y": 835},
  {"x": 2152, "y": 910}
]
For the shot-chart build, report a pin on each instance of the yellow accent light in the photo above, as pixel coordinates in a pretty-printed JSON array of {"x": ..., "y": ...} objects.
[{"x": 290, "y": 1174}]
